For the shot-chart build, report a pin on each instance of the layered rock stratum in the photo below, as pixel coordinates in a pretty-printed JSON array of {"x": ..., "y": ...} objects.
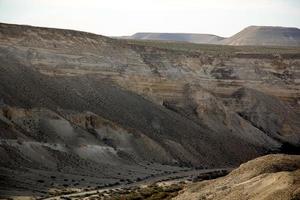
[{"x": 83, "y": 110}]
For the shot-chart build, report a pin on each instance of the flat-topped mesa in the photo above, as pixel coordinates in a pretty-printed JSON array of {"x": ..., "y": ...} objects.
[
  {"x": 180, "y": 37},
  {"x": 250, "y": 36}
]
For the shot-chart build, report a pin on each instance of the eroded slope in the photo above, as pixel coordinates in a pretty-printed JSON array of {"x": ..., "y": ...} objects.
[
  {"x": 75, "y": 102},
  {"x": 267, "y": 177}
]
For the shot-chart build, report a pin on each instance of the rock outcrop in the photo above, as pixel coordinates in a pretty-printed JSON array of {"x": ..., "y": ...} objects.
[
  {"x": 272, "y": 177},
  {"x": 75, "y": 101}
]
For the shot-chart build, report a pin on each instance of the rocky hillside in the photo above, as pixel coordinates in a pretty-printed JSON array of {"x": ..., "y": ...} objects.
[
  {"x": 250, "y": 36},
  {"x": 272, "y": 177},
  {"x": 265, "y": 36},
  {"x": 181, "y": 37},
  {"x": 73, "y": 104}
]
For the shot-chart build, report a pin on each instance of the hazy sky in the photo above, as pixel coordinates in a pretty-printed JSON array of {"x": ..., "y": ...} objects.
[{"x": 125, "y": 17}]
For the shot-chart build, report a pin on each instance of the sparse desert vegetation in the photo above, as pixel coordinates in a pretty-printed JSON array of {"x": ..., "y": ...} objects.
[
  {"x": 82, "y": 113},
  {"x": 149, "y": 192},
  {"x": 152, "y": 192},
  {"x": 271, "y": 177}
]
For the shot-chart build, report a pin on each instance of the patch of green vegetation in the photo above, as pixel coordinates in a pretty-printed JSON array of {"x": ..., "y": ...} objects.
[{"x": 152, "y": 192}]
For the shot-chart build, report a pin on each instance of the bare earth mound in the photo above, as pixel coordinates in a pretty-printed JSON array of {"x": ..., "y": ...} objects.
[
  {"x": 265, "y": 36},
  {"x": 269, "y": 177}
]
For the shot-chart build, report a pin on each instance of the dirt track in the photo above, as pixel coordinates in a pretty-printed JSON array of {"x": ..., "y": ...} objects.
[{"x": 176, "y": 176}]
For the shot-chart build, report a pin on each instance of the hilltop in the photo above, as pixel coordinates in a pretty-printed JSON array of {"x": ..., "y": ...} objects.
[
  {"x": 272, "y": 177},
  {"x": 80, "y": 110},
  {"x": 250, "y": 36},
  {"x": 180, "y": 37},
  {"x": 265, "y": 36}
]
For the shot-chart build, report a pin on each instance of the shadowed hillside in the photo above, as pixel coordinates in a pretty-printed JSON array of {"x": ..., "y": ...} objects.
[{"x": 97, "y": 111}]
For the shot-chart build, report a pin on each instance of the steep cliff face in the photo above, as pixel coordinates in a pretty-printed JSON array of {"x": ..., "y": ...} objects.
[{"x": 111, "y": 103}]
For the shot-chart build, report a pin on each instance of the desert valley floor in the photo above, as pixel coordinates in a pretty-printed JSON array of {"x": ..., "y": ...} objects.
[{"x": 81, "y": 112}]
